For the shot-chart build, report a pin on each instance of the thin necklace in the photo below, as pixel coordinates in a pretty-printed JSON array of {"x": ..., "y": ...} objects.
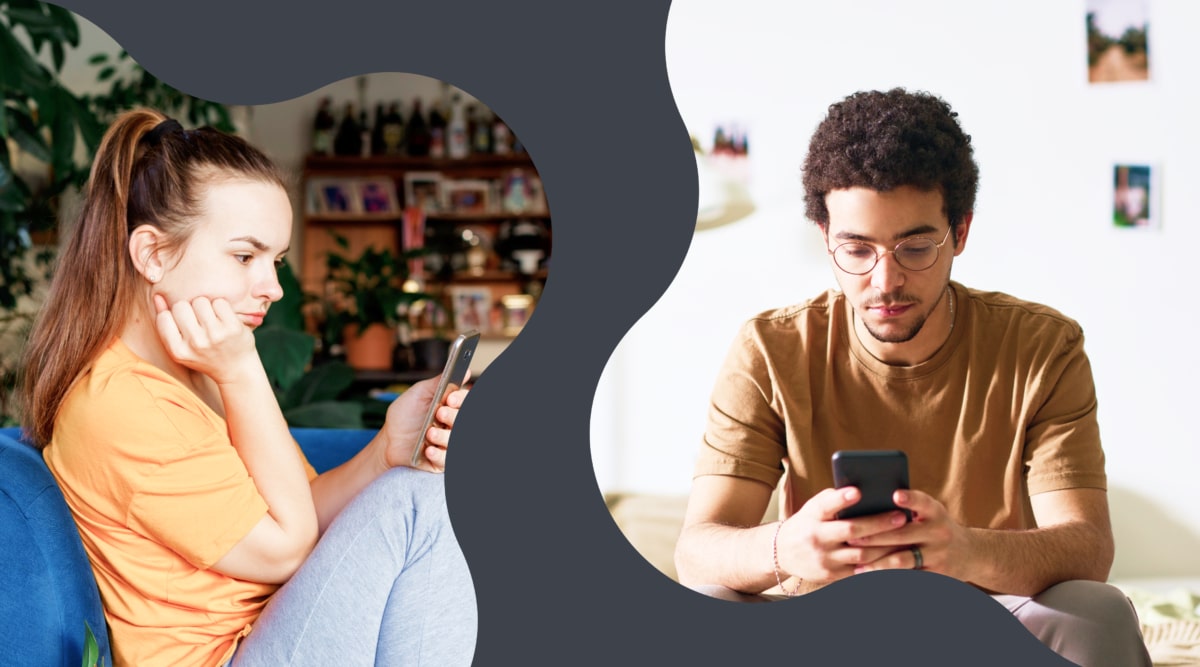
[{"x": 951, "y": 293}]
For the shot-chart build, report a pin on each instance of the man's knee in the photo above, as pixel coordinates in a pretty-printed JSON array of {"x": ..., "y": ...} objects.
[
  {"x": 1088, "y": 622},
  {"x": 1103, "y": 605}
]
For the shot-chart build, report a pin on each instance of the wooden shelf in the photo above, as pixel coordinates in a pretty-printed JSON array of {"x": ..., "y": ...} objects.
[{"x": 334, "y": 164}]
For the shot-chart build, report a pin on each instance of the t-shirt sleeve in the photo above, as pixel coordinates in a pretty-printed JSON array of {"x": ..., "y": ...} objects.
[
  {"x": 1062, "y": 440},
  {"x": 199, "y": 501},
  {"x": 744, "y": 436}
]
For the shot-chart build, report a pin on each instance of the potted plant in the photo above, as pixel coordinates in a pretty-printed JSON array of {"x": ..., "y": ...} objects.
[{"x": 363, "y": 309}]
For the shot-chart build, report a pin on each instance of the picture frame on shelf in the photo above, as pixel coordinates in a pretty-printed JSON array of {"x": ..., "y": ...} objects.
[
  {"x": 516, "y": 192},
  {"x": 423, "y": 190},
  {"x": 333, "y": 196},
  {"x": 377, "y": 196},
  {"x": 472, "y": 307},
  {"x": 470, "y": 196},
  {"x": 516, "y": 309}
]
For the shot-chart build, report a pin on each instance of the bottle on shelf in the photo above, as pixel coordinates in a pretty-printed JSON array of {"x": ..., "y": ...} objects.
[
  {"x": 348, "y": 140},
  {"x": 393, "y": 131},
  {"x": 364, "y": 131},
  {"x": 501, "y": 137},
  {"x": 324, "y": 126},
  {"x": 481, "y": 132},
  {"x": 418, "y": 132},
  {"x": 457, "y": 131},
  {"x": 378, "y": 145},
  {"x": 437, "y": 131}
]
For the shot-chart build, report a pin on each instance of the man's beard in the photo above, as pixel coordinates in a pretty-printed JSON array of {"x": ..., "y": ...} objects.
[{"x": 906, "y": 334}]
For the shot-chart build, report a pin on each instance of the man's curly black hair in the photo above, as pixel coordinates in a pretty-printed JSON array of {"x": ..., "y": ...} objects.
[{"x": 883, "y": 140}]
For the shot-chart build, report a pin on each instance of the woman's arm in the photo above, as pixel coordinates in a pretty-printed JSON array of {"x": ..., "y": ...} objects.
[
  {"x": 391, "y": 447},
  {"x": 208, "y": 337}
]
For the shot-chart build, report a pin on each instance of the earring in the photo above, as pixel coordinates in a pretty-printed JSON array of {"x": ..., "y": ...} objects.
[{"x": 153, "y": 277}]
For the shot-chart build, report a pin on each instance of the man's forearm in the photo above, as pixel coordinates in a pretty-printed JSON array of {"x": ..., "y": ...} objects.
[
  {"x": 731, "y": 556},
  {"x": 1026, "y": 562}
]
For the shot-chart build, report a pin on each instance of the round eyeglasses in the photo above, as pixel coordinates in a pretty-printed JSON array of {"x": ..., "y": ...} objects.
[{"x": 915, "y": 254}]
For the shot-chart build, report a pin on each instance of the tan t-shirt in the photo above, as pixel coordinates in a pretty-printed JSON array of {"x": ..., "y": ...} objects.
[
  {"x": 1004, "y": 410},
  {"x": 159, "y": 495}
]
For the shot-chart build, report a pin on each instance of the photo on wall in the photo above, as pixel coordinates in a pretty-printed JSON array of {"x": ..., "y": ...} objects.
[
  {"x": 1132, "y": 201},
  {"x": 1117, "y": 44}
]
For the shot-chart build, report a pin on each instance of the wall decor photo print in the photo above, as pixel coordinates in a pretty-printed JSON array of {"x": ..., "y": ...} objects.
[
  {"x": 1133, "y": 187},
  {"x": 1117, "y": 45}
]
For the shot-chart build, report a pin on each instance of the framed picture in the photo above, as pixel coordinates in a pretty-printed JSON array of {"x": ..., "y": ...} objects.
[
  {"x": 472, "y": 307},
  {"x": 1135, "y": 196},
  {"x": 423, "y": 189},
  {"x": 516, "y": 192},
  {"x": 467, "y": 196},
  {"x": 333, "y": 196},
  {"x": 377, "y": 196},
  {"x": 516, "y": 311}
]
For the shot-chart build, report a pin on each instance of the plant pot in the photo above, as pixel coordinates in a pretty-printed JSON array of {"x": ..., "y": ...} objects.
[
  {"x": 430, "y": 354},
  {"x": 370, "y": 350}
]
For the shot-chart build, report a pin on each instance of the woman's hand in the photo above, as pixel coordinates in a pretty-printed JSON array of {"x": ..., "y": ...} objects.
[
  {"x": 207, "y": 336},
  {"x": 406, "y": 416}
]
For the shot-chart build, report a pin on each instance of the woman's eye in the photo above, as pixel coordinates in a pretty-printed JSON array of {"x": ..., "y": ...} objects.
[
  {"x": 279, "y": 263},
  {"x": 243, "y": 259}
]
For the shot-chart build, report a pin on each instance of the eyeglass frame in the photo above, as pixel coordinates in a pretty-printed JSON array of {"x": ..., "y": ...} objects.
[{"x": 879, "y": 255}]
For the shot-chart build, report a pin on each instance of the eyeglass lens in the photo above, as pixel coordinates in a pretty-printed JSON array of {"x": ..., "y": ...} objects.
[{"x": 913, "y": 254}]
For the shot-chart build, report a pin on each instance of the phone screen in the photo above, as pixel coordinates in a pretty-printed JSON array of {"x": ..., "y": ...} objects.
[
  {"x": 877, "y": 474},
  {"x": 462, "y": 350}
]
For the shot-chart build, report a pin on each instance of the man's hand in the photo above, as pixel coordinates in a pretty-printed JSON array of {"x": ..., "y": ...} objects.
[
  {"x": 207, "y": 336},
  {"x": 815, "y": 545},
  {"x": 406, "y": 416},
  {"x": 944, "y": 544}
]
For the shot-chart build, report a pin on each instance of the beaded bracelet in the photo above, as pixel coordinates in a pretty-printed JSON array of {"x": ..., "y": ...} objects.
[{"x": 775, "y": 557}]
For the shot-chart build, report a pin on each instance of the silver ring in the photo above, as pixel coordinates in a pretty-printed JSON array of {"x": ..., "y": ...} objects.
[{"x": 918, "y": 559}]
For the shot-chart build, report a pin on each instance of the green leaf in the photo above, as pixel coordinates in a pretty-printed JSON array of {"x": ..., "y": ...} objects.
[
  {"x": 62, "y": 131},
  {"x": 98, "y": 58},
  {"x": 324, "y": 382},
  {"x": 29, "y": 137},
  {"x": 106, "y": 73},
  {"x": 91, "y": 651},
  {"x": 66, "y": 23},
  {"x": 284, "y": 352},
  {"x": 326, "y": 414},
  {"x": 286, "y": 312}
]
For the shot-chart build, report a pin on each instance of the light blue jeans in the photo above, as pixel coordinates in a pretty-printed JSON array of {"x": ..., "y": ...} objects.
[{"x": 386, "y": 585}]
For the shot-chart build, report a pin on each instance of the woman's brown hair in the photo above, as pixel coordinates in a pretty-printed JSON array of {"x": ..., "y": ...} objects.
[{"x": 148, "y": 170}]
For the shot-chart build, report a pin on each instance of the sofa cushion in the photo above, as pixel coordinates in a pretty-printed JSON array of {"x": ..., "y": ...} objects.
[
  {"x": 652, "y": 524},
  {"x": 48, "y": 589}
]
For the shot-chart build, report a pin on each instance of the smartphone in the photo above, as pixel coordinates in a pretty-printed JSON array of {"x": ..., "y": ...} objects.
[
  {"x": 457, "y": 364},
  {"x": 877, "y": 474}
]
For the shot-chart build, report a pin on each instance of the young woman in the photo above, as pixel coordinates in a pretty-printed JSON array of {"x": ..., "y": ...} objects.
[{"x": 146, "y": 393}]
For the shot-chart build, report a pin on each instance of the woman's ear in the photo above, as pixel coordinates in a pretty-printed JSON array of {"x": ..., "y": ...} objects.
[{"x": 145, "y": 252}]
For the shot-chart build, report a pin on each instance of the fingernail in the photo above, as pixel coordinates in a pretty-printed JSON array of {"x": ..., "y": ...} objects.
[
  {"x": 898, "y": 520},
  {"x": 848, "y": 494},
  {"x": 901, "y": 496}
]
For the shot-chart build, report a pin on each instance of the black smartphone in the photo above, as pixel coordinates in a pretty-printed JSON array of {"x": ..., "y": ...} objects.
[
  {"x": 877, "y": 473},
  {"x": 462, "y": 350}
]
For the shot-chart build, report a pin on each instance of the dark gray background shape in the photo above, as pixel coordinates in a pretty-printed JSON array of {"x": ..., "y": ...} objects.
[{"x": 585, "y": 88}]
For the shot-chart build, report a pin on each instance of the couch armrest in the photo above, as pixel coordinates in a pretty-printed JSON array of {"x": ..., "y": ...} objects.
[{"x": 327, "y": 448}]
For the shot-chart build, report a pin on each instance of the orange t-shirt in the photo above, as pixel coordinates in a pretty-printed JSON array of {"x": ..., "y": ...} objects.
[{"x": 159, "y": 495}]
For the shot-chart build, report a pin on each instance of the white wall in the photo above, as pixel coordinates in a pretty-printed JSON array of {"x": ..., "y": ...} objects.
[{"x": 1046, "y": 142}]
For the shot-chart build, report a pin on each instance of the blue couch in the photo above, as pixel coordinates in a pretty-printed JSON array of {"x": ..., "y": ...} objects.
[{"x": 47, "y": 591}]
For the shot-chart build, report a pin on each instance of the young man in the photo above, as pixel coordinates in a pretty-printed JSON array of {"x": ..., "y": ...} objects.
[{"x": 990, "y": 397}]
